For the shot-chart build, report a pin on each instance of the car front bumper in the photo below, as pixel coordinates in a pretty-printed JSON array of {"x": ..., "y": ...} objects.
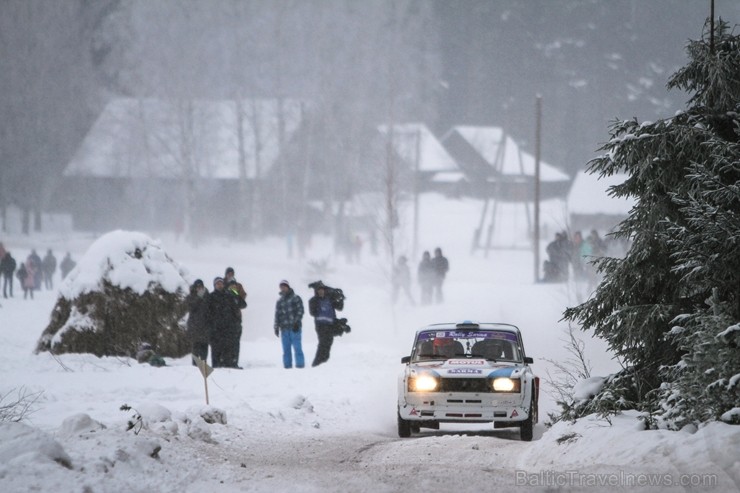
[{"x": 463, "y": 407}]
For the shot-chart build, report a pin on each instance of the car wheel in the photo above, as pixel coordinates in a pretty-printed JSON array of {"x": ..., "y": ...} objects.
[
  {"x": 404, "y": 427},
  {"x": 526, "y": 433}
]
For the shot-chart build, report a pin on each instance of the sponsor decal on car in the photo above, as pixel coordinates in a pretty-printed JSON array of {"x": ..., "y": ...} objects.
[
  {"x": 466, "y": 362},
  {"x": 503, "y": 372},
  {"x": 464, "y": 371}
]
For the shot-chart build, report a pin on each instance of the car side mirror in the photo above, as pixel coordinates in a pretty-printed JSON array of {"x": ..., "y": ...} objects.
[
  {"x": 406, "y": 360},
  {"x": 528, "y": 360}
]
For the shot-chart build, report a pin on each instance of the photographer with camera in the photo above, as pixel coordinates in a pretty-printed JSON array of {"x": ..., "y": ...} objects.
[{"x": 323, "y": 306}]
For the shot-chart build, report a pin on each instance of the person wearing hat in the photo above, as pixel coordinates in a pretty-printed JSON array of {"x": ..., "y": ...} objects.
[
  {"x": 321, "y": 308},
  {"x": 230, "y": 280},
  {"x": 235, "y": 288},
  {"x": 288, "y": 325},
  {"x": 223, "y": 324},
  {"x": 197, "y": 320}
]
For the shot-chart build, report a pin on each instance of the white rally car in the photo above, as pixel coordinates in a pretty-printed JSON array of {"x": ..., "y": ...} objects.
[{"x": 467, "y": 373}]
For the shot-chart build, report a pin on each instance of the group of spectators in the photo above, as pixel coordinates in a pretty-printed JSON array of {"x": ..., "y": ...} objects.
[
  {"x": 576, "y": 252},
  {"x": 431, "y": 275},
  {"x": 215, "y": 320},
  {"x": 33, "y": 273}
]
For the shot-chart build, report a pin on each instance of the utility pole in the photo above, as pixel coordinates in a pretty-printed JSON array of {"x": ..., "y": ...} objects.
[
  {"x": 417, "y": 160},
  {"x": 538, "y": 142}
]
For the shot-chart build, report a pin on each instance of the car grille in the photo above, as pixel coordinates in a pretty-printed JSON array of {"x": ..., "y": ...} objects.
[{"x": 464, "y": 385}]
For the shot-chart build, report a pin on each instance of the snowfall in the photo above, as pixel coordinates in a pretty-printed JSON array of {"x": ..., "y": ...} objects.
[{"x": 333, "y": 427}]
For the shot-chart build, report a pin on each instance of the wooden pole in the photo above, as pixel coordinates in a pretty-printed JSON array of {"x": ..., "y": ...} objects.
[
  {"x": 417, "y": 160},
  {"x": 538, "y": 141},
  {"x": 205, "y": 380}
]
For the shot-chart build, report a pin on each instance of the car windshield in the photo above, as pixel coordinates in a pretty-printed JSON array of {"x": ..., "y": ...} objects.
[{"x": 494, "y": 345}]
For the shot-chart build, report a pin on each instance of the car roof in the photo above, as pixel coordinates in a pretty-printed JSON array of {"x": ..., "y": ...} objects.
[{"x": 468, "y": 325}]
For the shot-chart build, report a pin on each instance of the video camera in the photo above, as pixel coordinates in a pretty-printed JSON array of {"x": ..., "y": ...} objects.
[
  {"x": 341, "y": 327},
  {"x": 334, "y": 294}
]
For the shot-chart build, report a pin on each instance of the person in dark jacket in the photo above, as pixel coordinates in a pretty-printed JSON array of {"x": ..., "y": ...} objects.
[
  {"x": 223, "y": 324},
  {"x": 198, "y": 319},
  {"x": 323, "y": 310},
  {"x": 425, "y": 276},
  {"x": 402, "y": 280},
  {"x": 440, "y": 265},
  {"x": 67, "y": 265},
  {"x": 234, "y": 287},
  {"x": 49, "y": 267},
  {"x": 7, "y": 269},
  {"x": 288, "y": 325},
  {"x": 559, "y": 253}
]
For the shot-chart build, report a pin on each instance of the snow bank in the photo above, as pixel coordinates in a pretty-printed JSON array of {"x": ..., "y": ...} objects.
[{"x": 20, "y": 444}]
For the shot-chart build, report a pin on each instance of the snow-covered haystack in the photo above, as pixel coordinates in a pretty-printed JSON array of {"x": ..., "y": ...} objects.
[{"x": 125, "y": 291}]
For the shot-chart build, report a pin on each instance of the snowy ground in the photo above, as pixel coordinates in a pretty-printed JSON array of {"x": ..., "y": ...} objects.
[{"x": 330, "y": 428}]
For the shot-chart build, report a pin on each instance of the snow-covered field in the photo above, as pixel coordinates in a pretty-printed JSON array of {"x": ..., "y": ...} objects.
[{"x": 330, "y": 428}]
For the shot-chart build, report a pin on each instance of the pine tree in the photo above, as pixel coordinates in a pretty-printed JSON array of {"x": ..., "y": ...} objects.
[{"x": 669, "y": 307}]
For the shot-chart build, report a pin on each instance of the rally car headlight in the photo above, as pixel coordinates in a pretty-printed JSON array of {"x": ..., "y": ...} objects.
[
  {"x": 423, "y": 383},
  {"x": 506, "y": 384}
]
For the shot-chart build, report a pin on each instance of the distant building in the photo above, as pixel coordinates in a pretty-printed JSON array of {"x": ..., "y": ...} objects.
[
  {"x": 161, "y": 164},
  {"x": 502, "y": 175},
  {"x": 426, "y": 158},
  {"x": 498, "y": 168}
]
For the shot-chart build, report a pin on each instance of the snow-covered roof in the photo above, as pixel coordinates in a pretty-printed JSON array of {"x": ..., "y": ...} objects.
[
  {"x": 588, "y": 195},
  {"x": 433, "y": 157},
  {"x": 154, "y": 138},
  {"x": 503, "y": 153}
]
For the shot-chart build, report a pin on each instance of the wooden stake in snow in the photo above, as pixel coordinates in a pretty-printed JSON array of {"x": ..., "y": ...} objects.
[{"x": 205, "y": 370}]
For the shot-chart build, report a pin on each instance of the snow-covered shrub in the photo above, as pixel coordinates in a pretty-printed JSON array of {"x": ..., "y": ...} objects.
[
  {"x": 600, "y": 396},
  {"x": 125, "y": 291}
]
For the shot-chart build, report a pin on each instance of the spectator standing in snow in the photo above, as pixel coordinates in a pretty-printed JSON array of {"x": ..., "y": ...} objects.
[
  {"x": 559, "y": 254},
  {"x": 7, "y": 269},
  {"x": 67, "y": 265},
  {"x": 223, "y": 323},
  {"x": 198, "y": 319},
  {"x": 235, "y": 288},
  {"x": 26, "y": 277},
  {"x": 425, "y": 277},
  {"x": 402, "y": 280},
  {"x": 49, "y": 267},
  {"x": 440, "y": 266},
  {"x": 288, "y": 325},
  {"x": 577, "y": 256},
  {"x": 321, "y": 307},
  {"x": 35, "y": 263},
  {"x": 597, "y": 244}
]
